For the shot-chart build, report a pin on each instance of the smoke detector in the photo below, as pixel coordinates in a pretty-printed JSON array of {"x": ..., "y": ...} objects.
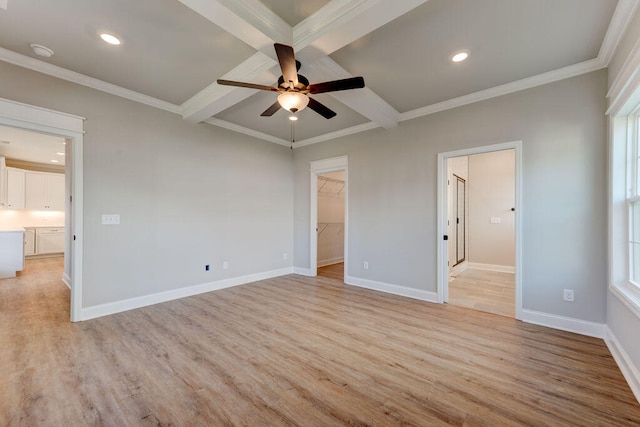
[{"x": 40, "y": 50}]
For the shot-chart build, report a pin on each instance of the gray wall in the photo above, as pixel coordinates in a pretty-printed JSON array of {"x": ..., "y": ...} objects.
[
  {"x": 188, "y": 195},
  {"x": 621, "y": 321},
  {"x": 392, "y": 192}
]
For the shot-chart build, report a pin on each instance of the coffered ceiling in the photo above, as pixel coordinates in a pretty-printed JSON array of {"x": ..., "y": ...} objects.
[{"x": 173, "y": 51}]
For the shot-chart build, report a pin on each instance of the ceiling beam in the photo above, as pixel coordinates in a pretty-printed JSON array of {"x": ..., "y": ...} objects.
[
  {"x": 342, "y": 22},
  {"x": 364, "y": 101},
  {"x": 216, "y": 98},
  {"x": 247, "y": 20}
]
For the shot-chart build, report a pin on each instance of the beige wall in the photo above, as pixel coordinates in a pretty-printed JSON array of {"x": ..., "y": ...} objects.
[{"x": 491, "y": 189}]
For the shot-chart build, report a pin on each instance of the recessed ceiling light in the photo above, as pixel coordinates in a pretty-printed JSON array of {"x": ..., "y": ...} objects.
[
  {"x": 55, "y": 161},
  {"x": 110, "y": 38},
  {"x": 293, "y": 118},
  {"x": 60, "y": 153},
  {"x": 460, "y": 56},
  {"x": 40, "y": 50}
]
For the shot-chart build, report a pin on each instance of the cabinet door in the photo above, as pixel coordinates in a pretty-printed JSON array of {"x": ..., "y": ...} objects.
[
  {"x": 36, "y": 192},
  {"x": 55, "y": 192},
  {"x": 15, "y": 188},
  {"x": 29, "y": 242},
  {"x": 3, "y": 183}
]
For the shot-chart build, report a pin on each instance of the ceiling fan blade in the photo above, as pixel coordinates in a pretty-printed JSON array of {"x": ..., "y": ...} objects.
[
  {"x": 271, "y": 110},
  {"x": 247, "y": 85},
  {"x": 287, "y": 60},
  {"x": 336, "y": 85},
  {"x": 321, "y": 109}
]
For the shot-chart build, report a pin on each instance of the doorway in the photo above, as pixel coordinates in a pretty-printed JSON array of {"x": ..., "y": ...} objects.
[
  {"x": 329, "y": 218},
  {"x": 31, "y": 118},
  {"x": 479, "y": 225},
  {"x": 330, "y": 251}
]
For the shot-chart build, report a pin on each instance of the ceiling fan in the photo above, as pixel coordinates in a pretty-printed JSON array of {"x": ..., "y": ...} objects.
[{"x": 294, "y": 88}]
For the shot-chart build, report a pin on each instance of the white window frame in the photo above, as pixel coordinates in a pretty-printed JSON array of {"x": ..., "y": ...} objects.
[{"x": 624, "y": 188}]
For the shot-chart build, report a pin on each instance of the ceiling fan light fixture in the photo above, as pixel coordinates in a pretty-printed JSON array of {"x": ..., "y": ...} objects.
[
  {"x": 460, "y": 56},
  {"x": 293, "y": 101}
]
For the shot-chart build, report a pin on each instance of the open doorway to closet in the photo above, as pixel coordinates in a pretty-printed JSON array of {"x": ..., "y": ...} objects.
[
  {"x": 330, "y": 194},
  {"x": 329, "y": 218},
  {"x": 480, "y": 259}
]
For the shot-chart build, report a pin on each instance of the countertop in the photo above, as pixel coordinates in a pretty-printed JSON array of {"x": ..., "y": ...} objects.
[{"x": 12, "y": 230}]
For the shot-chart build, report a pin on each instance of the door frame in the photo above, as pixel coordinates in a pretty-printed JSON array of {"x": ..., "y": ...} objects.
[
  {"x": 442, "y": 203},
  {"x": 68, "y": 126},
  {"x": 319, "y": 167}
]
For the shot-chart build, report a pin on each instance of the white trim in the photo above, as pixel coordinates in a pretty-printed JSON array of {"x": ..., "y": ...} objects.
[
  {"x": 66, "y": 280},
  {"x": 337, "y": 134},
  {"x": 630, "y": 372},
  {"x": 629, "y": 296},
  {"x": 316, "y": 168},
  {"x": 459, "y": 269},
  {"x": 442, "y": 275},
  {"x": 39, "y": 119},
  {"x": 241, "y": 129},
  {"x": 493, "y": 267},
  {"x": 330, "y": 261},
  {"x": 81, "y": 79},
  {"x": 388, "y": 288},
  {"x": 505, "y": 89},
  {"x": 160, "y": 297},
  {"x": 303, "y": 271},
  {"x": 625, "y": 85},
  {"x": 617, "y": 27},
  {"x": 563, "y": 323}
]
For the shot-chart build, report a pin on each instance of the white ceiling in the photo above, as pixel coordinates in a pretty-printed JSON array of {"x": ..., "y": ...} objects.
[
  {"x": 173, "y": 51},
  {"x": 29, "y": 146}
]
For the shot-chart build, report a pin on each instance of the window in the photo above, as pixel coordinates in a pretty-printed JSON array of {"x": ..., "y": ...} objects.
[{"x": 633, "y": 197}]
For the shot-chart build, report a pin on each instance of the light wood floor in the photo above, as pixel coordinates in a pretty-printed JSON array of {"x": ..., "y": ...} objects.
[
  {"x": 295, "y": 351},
  {"x": 488, "y": 291},
  {"x": 333, "y": 271}
]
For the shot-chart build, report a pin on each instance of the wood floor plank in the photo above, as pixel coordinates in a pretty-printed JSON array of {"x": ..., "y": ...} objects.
[{"x": 295, "y": 351}]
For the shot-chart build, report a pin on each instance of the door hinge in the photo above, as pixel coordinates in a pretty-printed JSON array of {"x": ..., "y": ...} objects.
[
  {"x": 74, "y": 237},
  {"x": 446, "y": 237},
  {"x": 457, "y": 220}
]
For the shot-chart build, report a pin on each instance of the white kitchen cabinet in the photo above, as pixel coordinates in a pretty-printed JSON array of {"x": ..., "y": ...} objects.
[
  {"x": 3, "y": 183},
  {"x": 49, "y": 240},
  {"x": 29, "y": 241},
  {"x": 15, "y": 188},
  {"x": 44, "y": 191},
  {"x": 11, "y": 252}
]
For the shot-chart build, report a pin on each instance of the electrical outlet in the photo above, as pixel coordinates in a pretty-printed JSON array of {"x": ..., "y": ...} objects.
[
  {"x": 225, "y": 265},
  {"x": 365, "y": 265},
  {"x": 568, "y": 295}
]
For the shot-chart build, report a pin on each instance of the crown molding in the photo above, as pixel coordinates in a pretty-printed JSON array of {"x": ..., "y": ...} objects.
[
  {"x": 337, "y": 134},
  {"x": 246, "y": 131},
  {"x": 623, "y": 87},
  {"x": 505, "y": 89},
  {"x": 617, "y": 27},
  {"x": 81, "y": 79}
]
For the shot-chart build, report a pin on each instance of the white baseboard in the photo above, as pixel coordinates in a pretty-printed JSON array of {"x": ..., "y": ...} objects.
[
  {"x": 67, "y": 280},
  {"x": 459, "y": 268},
  {"x": 331, "y": 261},
  {"x": 143, "y": 301},
  {"x": 392, "y": 289},
  {"x": 569, "y": 324},
  {"x": 493, "y": 267},
  {"x": 629, "y": 370},
  {"x": 303, "y": 271}
]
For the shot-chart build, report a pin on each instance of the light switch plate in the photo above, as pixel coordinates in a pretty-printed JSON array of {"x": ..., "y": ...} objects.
[
  {"x": 111, "y": 219},
  {"x": 495, "y": 220}
]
